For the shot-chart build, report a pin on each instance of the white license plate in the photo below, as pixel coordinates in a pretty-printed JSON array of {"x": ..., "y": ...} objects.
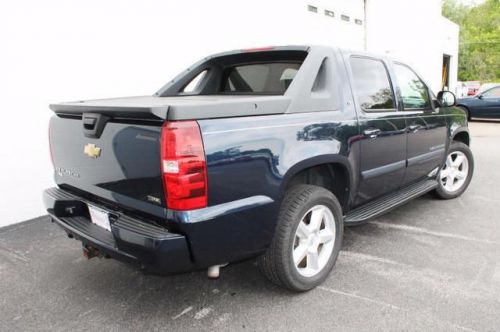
[{"x": 99, "y": 217}]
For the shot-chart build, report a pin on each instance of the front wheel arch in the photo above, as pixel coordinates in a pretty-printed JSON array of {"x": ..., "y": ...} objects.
[
  {"x": 466, "y": 110},
  {"x": 461, "y": 136}
]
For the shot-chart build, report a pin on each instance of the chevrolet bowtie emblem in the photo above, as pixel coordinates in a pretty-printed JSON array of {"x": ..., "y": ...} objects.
[{"x": 92, "y": 151}]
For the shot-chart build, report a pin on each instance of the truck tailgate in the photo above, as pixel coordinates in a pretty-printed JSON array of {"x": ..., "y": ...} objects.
[{"x": 122, "y": 165}]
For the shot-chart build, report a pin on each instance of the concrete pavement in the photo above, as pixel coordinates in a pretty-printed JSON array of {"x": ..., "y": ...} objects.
[{"x": 430, "y": 264}]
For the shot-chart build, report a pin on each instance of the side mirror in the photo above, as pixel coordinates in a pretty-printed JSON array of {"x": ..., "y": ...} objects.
[
  {"x": 480, "y": 97},
  {"x": 446, "y": 99}
]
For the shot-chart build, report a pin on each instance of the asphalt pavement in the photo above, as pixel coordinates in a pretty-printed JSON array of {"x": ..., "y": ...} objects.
[{"x": 429, "y": 265}]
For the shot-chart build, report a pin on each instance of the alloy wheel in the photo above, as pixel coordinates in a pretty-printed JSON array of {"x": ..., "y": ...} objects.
[
  {"x": 314, "y": 241},
  {"x": 454, "y": 172}
]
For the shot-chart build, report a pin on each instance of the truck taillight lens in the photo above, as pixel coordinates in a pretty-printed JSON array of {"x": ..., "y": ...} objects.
[{"x": 183, "y": 165}]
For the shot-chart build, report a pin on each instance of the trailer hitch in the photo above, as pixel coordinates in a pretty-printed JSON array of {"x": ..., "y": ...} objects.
[{"x": 91, "y": 252}]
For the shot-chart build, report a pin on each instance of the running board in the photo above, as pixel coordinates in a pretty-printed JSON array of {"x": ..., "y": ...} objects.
[{"x": 389, "y": 202}]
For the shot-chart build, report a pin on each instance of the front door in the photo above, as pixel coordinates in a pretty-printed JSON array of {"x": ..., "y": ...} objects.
[
  {"x": 382, "y": 126},
  {"x": 489, "y": 103},
  {"x": 426, "y": 126}
]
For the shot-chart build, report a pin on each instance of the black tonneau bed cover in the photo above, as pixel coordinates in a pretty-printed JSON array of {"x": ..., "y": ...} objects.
[{"x": 178, "y": 107}]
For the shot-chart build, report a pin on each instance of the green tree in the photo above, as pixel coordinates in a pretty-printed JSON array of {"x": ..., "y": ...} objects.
[{"x": 479, "y": 50}]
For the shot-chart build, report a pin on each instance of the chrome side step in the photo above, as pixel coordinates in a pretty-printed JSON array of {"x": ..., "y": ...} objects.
[{"x": 384, "y": 204}]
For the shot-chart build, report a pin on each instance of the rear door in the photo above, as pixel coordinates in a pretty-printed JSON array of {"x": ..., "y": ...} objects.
[
  {"x": 426, "y": 125},
  {"x": 382, "y": 128}
]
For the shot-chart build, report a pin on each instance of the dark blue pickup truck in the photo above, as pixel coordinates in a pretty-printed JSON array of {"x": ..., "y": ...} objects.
[{"x": 263, "y": 153}]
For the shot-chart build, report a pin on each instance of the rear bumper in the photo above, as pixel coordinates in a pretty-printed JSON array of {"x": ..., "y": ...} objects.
[{"x": 131, "y": 239}]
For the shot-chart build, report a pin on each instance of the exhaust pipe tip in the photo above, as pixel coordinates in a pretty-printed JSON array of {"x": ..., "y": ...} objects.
[{"x": 213, "y": 271}]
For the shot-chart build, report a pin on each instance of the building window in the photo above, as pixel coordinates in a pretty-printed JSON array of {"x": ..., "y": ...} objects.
[
  {"x": 329, "y": 13},
  {"x": 345, "y": 18},
  {"x": 358, "y": 21},
  {"x": 313, "y": 9}
]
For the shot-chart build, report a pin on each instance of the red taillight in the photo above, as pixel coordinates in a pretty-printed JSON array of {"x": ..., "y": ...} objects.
[{"x": 183, "y": 165}]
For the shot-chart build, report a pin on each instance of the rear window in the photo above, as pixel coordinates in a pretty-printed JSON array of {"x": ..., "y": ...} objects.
[
  {"x": 240, "y": 73},
  {"x": 259, "y": 78}
]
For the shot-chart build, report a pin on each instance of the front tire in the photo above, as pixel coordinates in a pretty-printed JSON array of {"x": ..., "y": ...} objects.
[
  {"x": 456, "y": 174},
  {"x": 307, "y": 239}
]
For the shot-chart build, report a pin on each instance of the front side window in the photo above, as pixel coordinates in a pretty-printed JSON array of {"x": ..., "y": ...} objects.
[
  {"x": 413, "y": 91},
  {"x": 492, "y": 93},
  {"x": 372, "y": 85},
  {"x": 261, "y": 78}
]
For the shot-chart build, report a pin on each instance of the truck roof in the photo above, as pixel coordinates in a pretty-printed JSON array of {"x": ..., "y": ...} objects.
[{"x": 315, "y": 87}]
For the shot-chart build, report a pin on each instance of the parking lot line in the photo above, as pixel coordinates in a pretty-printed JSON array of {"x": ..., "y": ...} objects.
[{"x": 420, "y": 230}]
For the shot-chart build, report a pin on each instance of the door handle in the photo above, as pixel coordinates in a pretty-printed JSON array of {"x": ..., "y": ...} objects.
[{"x": 372, "y": 133}]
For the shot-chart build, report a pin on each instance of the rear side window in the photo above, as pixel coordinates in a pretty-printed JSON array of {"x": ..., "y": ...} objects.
[
  {"x": 262, "y": 78},
  {"x": 493, "y": 93},
  {"x": 371, "y": 84},
  {"x": 413, "y": 91},
  {"x": 194, "y": 85}
]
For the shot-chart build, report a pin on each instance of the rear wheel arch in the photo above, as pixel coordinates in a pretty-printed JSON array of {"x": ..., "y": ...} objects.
[{"x": 335, "y": 176}]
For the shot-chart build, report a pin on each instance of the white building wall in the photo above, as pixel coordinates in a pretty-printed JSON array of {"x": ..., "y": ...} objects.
[
  {"x": 449, "y": 34},
  {"x": 57, "y": 50},
  {"x": 414, "y": 32},
  {"x": 327, "y": 30}
]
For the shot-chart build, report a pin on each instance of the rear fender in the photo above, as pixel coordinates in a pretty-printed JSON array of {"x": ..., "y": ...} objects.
[{"x": 316, "y": 161}]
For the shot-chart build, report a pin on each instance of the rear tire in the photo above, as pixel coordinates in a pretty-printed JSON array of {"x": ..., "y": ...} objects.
[
  {"x": 456, "y": 174},
  {"x": 307, "y": 239}
]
